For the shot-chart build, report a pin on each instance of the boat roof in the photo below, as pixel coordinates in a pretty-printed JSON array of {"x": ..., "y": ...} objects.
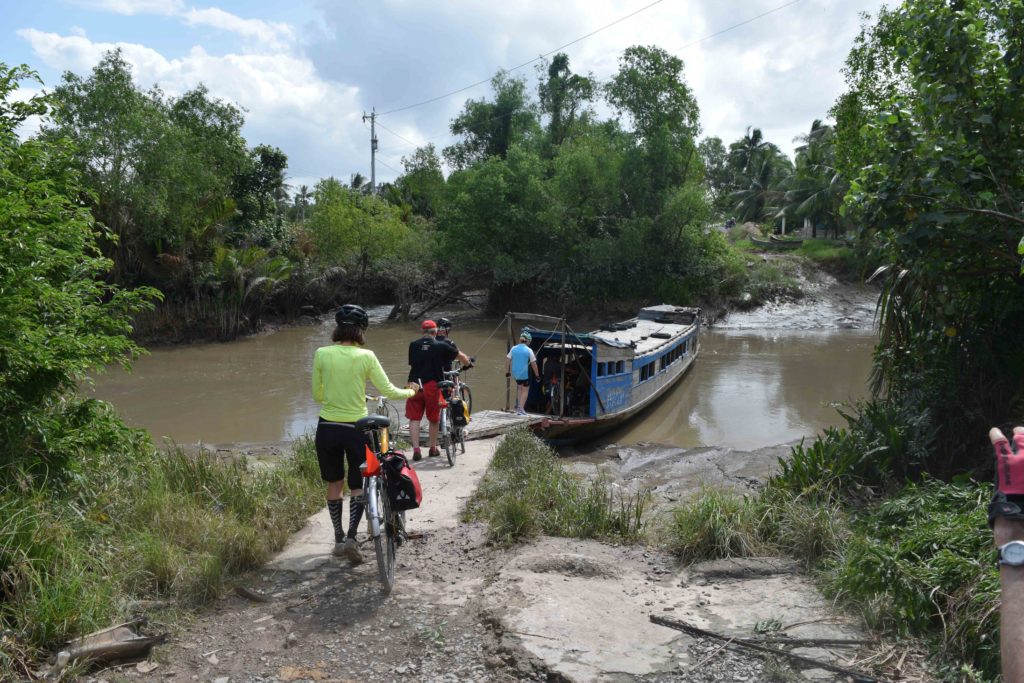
[
  {"x": 666, "y": 321},
  {"x": 640, "y": 335}
]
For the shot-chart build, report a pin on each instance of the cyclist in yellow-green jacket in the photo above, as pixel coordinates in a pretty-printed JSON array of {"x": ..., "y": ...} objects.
[{"x": 340, "y": 372}]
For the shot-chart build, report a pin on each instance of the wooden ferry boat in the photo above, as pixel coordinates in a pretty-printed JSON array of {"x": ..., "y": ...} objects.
[{"x": 590, "y": 382}]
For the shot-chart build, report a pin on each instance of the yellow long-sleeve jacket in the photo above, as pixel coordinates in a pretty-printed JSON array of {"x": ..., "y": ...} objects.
[{"x": 339, "y": 381}]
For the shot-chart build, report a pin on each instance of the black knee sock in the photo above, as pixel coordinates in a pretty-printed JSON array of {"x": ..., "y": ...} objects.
[
  {"x": 334, "y": 507},
  {"x": 355, "y": 514}
]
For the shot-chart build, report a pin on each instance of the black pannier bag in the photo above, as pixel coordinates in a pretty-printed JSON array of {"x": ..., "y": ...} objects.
[
  {"x": 403, "y": 485},
  {"x": 459, "y": 416}
]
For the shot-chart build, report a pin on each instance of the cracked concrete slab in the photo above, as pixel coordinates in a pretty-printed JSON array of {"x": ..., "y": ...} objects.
[{"x": 583, "y": 607}]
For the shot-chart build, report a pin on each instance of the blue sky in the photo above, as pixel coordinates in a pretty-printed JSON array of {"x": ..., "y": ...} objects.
[{"x": 306, "y": 71}]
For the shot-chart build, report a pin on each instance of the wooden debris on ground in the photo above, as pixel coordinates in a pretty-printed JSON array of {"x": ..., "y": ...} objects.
[
  {"x": 121, "y": 642},
  {"x": 755, "y": 644}
]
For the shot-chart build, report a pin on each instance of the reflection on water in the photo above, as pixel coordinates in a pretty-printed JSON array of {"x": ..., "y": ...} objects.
[
  {"x": 747, "y": 388},
  {"x": 755, "y": 389}
]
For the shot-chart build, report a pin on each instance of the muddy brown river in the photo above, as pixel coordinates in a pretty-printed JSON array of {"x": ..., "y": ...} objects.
[{"x": 763, "y": 378}]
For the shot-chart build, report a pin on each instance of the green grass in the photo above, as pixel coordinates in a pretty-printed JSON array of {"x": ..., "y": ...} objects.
[
  {"x": 833, "y": 256},
  {"x": 721, "y": 524},
  {"x": 526, "y": 492},
  {"x": 916, "y": 563},
  {"x": 131, "y": 522}
]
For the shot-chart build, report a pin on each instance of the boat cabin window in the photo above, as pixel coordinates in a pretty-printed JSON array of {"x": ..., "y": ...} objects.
[
  {"x": 674, "y": 354},
  {"x": 620, "y": 367},
  {"x": 647, "y": 371}
]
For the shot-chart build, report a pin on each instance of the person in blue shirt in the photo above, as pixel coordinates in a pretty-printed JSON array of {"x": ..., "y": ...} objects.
[{"x": 518, "y": 363}]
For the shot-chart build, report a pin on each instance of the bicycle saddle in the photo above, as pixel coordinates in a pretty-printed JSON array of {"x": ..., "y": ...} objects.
[
  {"x": 371, "y": 422},
  {"x": 445, "y": 384}
]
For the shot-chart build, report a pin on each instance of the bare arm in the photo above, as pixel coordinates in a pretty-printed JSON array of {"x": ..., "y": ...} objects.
[
  {"x": 1011, "y": 616},
  {"x": 1011, "y": 579}
]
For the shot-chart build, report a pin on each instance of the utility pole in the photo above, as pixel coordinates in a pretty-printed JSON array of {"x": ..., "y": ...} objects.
[{"x": 373, "y": 149}]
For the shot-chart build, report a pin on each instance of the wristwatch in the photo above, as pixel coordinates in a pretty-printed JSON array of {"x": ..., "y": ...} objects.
[{"x": 1012, "y": 554}]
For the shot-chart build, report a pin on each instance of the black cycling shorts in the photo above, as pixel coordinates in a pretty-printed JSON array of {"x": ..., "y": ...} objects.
[
  {"x": 336, "y": 443},
  {"x": 523, "y": 382}
]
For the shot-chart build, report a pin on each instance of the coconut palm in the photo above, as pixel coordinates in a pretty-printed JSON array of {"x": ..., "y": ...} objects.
[
  {"x": 815, "y": 190},
  {"x": 302, "y": 198},
  {"x": 746, "y": 153},
  {"x": 760, "y": 194}
]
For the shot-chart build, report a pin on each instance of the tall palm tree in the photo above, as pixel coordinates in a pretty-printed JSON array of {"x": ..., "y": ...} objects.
[
  {"x": 815, "y": 190},
  {"x": 302, "y": 198},
  {"x": 745, "y": 153}
]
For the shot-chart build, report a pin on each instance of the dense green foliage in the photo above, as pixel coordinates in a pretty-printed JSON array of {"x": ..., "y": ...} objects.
[
  {"x": 544, "y": 202},
  {"x": 91, "y": 516},
  {"x": 938, "y": 188},
  {"x": 549, "y": 203},
  {"x": 525, "y": 492},
  {"x": 58, "y": 317}
]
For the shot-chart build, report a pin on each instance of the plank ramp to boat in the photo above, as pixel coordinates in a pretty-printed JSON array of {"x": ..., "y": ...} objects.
[{"x": 486, "y": 423}]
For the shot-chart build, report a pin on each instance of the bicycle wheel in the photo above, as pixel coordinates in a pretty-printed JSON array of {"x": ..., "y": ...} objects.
[
  {"x": 460, "y": 436},
  {"x": 467, "y": 396},
  {"x": 384, "y": 542},
  {"x": 389, "y": 411},
  {"x": 448, "y": 435}
]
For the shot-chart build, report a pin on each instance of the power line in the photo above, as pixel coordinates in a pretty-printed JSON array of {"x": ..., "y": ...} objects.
[
  {"x": 381, "y": 162},
  {"x": 735, "y": 26},
  {"x": 397, "y": 135},
  {"x": 527, "y": 63},
  {"x": 501, "y": 116}
]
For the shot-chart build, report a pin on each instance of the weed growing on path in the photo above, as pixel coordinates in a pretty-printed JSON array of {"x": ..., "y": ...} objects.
[{"x": 526, "y": 491}]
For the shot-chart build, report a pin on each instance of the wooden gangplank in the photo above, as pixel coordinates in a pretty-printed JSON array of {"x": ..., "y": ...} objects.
[
  {"x": 484, "y": 424},
  {"x": 487, "y": 423}
]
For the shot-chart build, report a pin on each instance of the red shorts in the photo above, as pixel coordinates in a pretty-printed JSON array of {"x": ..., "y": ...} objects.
[{"x": 428, "y": 400}]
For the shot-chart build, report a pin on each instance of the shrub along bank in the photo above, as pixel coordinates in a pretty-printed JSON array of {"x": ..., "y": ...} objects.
[
  {"x": 917, "y": 561},
  {"x": 526, "y": 492},
  {"x": 92, "y": 516},
  {"x": 129, "y": 523}
]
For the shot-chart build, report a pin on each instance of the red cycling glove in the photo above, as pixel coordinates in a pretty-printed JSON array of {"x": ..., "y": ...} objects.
[
  {"x": 1008, "y": 500},
  {"x": 1010, "y": 465}
]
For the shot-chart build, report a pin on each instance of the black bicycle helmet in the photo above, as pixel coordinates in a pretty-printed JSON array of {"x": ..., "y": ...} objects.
[
  {"x": 444, "y": 323},
  {"x": 350, "y": 314}
]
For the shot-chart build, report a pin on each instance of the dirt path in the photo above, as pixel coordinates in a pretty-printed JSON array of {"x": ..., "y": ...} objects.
[
  {"x": 327, "y": 621},
  {"x": 556, "y": 609}
]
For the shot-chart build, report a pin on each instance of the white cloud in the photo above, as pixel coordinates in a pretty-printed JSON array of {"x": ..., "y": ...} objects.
[
  {"x": 305, "y": 90},
  {"x": 778, "y": 72},
  {"x": 274, "y": 35},
  {"x": 286, "y": 102},
  {"x": 132, "y": 7}
]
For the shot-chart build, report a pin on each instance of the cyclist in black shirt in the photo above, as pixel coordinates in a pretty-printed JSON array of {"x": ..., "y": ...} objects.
[
  {"x": 427, "y": 358},
  {"x": 444, "y": 328}
]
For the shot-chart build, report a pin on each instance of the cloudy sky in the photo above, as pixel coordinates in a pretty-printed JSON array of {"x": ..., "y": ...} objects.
[{"x": 305, "y": 71}]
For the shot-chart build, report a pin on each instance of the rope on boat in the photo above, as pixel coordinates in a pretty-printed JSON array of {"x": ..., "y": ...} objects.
[{"x": 489, "y": 338}]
